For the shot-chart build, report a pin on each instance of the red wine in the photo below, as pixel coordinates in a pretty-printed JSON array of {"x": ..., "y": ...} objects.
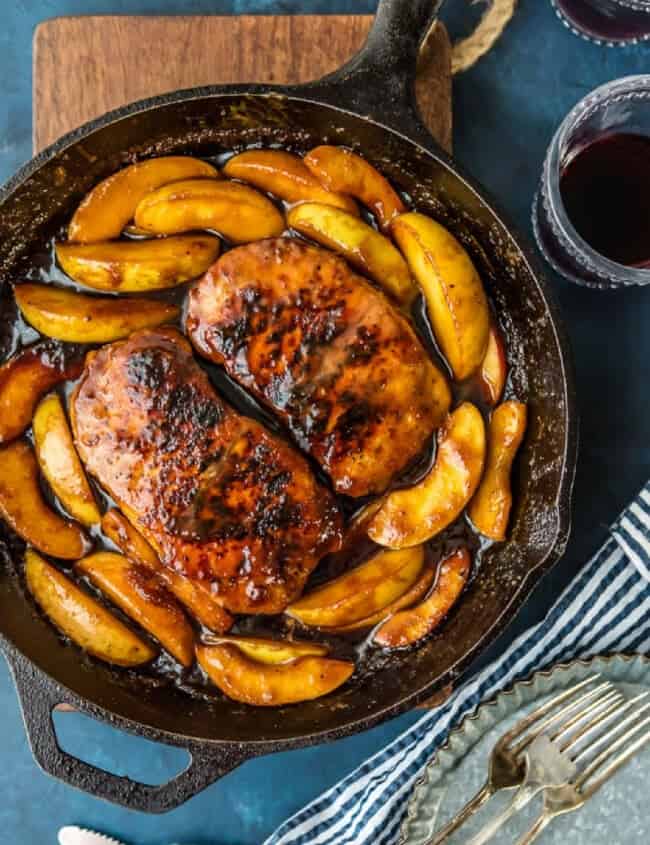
[
  {"x": 605, "y": 189},
  {"x": 606, "y": 20}
]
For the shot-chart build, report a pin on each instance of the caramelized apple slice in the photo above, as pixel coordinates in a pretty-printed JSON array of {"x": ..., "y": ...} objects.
[
  {"x": 142, "y": 596},
  {"x": 272, "y": 652},
  {"x": 417, "y": 591},
  {"x": 455, "y": 298},
  {"x": 271, "y": 685},
  {"x": 132, "y": 231},
  {"x": 81, "y": 618},
  {"x": 78, "y": 318},
  {"x": 360, "y": 592},
  {"x": 286, "y": 176},
  {"x": 23, "y": 507},
  {"x": 494, "y": 369},
  {"x": 345, "y": 172},
  {"x": 356, "y": 531},
  {"x": 196, "y": 598},
  {"x": 60, "y": 463},
  {"x": 355, "y": 240},
  {"x": 26, "y": 377},
  {"x": 106, "y": 210},
  {"x": 237, "y": 212},
  {"x": 128, "y": 540},
  {"x": 409, "y": 626},
  {"x": 412, "y": 516},
  {"x": 132, "y": 266},
  {"x": 490, "y": 507}
]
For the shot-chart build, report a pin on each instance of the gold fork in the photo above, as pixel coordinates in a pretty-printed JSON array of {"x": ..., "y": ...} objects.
[
  {"x": 618, "y": 746},
  {"x": 507, "y": 765}
]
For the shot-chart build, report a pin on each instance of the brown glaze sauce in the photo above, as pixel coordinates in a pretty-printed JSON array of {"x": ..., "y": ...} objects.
[{"x": 15, "y": 334}]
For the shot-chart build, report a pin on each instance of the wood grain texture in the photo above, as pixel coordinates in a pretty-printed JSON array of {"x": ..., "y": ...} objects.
[{"x": 84, "y": 66}]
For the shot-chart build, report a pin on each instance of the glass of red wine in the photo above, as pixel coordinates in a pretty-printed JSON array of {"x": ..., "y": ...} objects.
[
  {"x": 591, "y": 214},
  {"x": 610, "y": 22}
]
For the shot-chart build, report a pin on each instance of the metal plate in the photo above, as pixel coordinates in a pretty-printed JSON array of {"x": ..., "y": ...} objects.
[{"x": 618, "y": 813}]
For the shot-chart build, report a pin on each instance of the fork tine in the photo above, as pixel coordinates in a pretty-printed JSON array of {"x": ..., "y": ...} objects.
[
  {"x": 549, "y": 721},
  {"x": 610, "y": 736},
  {"x": 537, "y": 714},
  {"x": 612, "y": 767},
  {"x": 607, "y": 753},
  {"x": 579, "y": 717},
  {"x": 598, "y": 723}
]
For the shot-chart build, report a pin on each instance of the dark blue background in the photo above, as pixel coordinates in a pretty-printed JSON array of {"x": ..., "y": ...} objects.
[{"x": 505, "y": 111}]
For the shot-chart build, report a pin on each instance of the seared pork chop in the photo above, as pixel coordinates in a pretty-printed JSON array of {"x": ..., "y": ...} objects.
[
  {"x": 220, "y": 498},
  {"x": 328, "y": 352}
]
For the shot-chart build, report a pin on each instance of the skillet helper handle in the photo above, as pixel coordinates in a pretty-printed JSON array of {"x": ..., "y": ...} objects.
[
  {"x": 39, "y": 696},
  {"x": 380, "y": 79}
]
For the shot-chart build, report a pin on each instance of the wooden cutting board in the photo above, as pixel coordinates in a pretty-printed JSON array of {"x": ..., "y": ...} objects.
[{"x": 84, "y": 66}]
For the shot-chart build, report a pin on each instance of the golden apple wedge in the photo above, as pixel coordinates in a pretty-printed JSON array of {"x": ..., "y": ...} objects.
[
  {"x": 59, "y": 462},
  {"x": 490, "y": 508},
  {"x": 413, "y": 515},
  {"x": 456, "y": 301},
  {"x": 136, "y": 266},
  {"x": 142, "y": 596},
  {"x": 271, "y": 685},
  {"x": 284, "y": 175},
  {"x": 361, "y": 591},
  {"x": 106, "y": 210},
  {"x": 345, "y": 172},
  {"x": 364, "y": 247},
  {"x": 196, "y": 598},
  {"x": 410, "y": 597},
  {"x": 132, "y": 231},
  {"x": 269, "y": 651},
  {"x": 356, "y": 531},
  {"x": 80, "y": 617},
  {"x": 26, "y": 377},
  {"x": 23, "y": 507},
  {"x": 494, "y": 369},
  {"x": 79, "y": 318},
  {"x": 410, "y": 626},
  {"x": 239, "y": 213},
  {"x": 117, "y": 528}
]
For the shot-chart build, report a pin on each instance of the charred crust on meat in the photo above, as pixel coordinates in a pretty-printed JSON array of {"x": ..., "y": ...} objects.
[
  {"x": 148, "y": 368},
  {"x": 314, "y": 341},
  {"x": 222, "y": 500}
]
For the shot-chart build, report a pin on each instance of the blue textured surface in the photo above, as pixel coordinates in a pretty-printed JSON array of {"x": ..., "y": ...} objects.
[{"x": 506, "y": 109}]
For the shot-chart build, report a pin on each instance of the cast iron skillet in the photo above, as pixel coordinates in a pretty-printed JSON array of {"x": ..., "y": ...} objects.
[{"x": 368, "y": 104}]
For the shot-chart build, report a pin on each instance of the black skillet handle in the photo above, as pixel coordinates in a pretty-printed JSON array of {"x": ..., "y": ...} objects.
[
  {"x": 39, "y": 696},
  {"x": 379, "y": 81}
]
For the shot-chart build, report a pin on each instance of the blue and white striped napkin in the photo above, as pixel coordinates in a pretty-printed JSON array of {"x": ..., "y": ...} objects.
[{"x": 605, "y": 609}]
